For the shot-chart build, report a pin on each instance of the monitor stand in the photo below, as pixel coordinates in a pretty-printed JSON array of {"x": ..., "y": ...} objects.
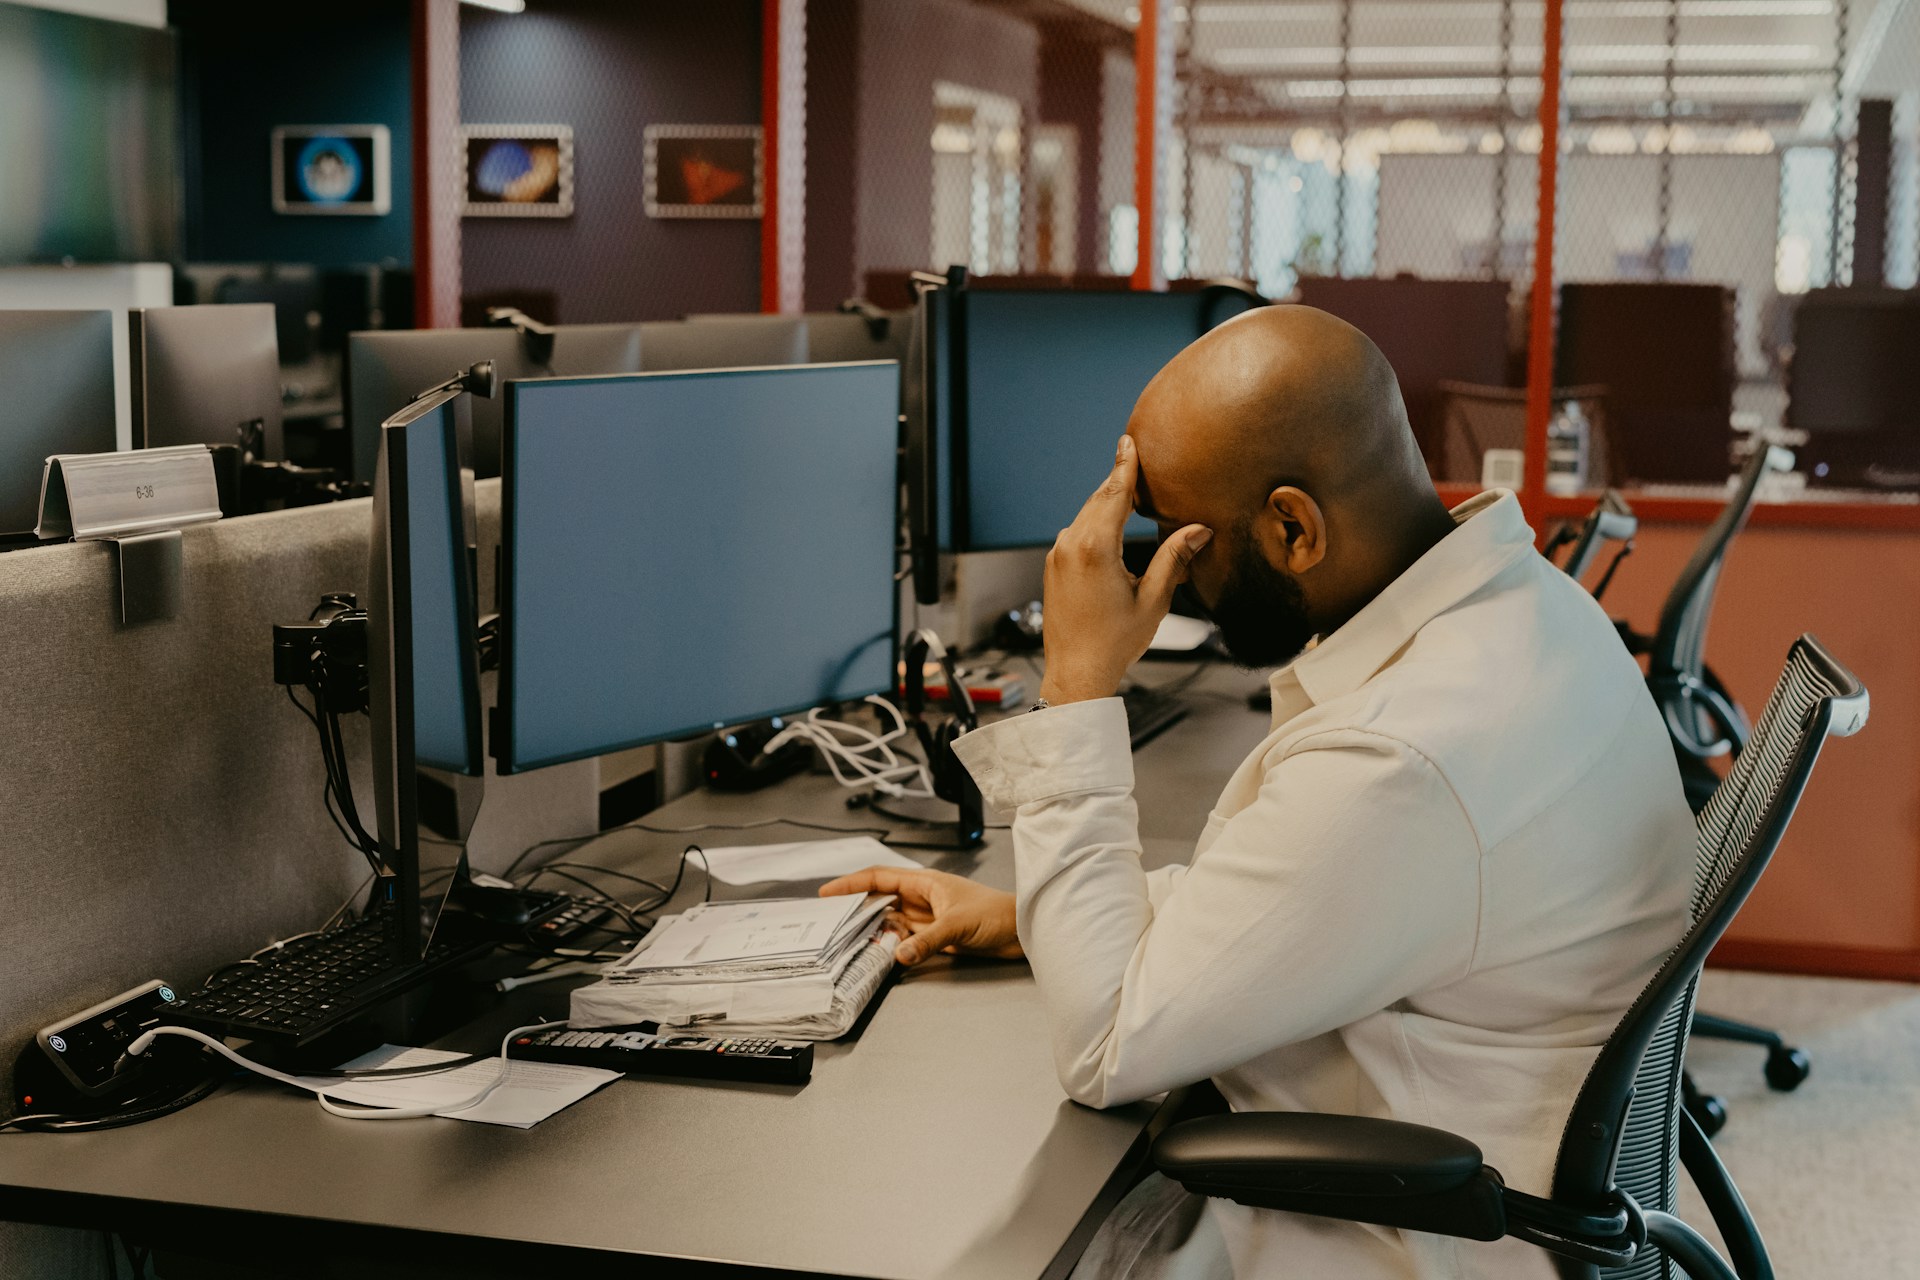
[{"x": 936, "y": 824}]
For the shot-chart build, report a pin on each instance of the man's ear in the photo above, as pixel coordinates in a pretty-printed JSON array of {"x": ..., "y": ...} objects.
[{"x": 1293, "y": 530}]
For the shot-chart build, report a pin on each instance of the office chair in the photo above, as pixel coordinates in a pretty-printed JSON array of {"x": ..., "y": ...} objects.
[
  {"x": 1614, "y": 1184},
  {"x": 1611, "y": 522},
  {"x": 1705, "y": 723}
]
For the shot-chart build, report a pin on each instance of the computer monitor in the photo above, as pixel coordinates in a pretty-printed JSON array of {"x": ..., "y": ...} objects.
[
  {"x": 1852, "y": 386},
  {"x": 423, "y": 662},
  {"x": 684, "y": 551},
  {"x": 1043, "y": 382},
  {"x": 56, "y": 373},
  {"x": 835, "y": 337},
  {"x": 723, "y": 342},
  {"x": 201, "y": 374},
  {"x": 385, "y": 369}
]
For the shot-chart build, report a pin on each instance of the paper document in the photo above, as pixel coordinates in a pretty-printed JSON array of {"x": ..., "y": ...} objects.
[
  {"x": 801, "y": 860},
  {"x": 798, "y": 930},
  {"x": 532, "y": 1092},
  {"x": 1180, "y": 634}
]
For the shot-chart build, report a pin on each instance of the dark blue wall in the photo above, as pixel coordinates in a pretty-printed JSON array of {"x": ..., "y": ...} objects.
[
  {"x": 609, "y": 68},
  {"x": 249, "y": 65}
]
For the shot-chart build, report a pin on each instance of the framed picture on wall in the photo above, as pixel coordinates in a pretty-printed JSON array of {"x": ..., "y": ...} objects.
[
  {"x": 518, "y": 170},
  {"x": 703, "y": 171},
  {"x": 331, "y": 169}
]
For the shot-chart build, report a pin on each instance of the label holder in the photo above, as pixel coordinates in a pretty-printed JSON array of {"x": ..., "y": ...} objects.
[{"x": 139, "y": 502}]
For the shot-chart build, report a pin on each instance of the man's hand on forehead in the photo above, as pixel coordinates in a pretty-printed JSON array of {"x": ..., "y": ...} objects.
[{"x": 1100, "y": 618}]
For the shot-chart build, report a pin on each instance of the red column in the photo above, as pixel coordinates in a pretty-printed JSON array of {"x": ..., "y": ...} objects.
[
  {"x": 1148, "y": 85},
  {"x": 770, "y": 155},
  {"x": 1540, "y": 340}
]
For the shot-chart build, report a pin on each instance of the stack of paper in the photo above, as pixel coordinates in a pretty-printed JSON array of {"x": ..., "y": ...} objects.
[{"x": 797, "y": 967}]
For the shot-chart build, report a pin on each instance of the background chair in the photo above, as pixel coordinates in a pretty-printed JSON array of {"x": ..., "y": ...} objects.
[
  {"x": 1706, "y": 723},
  {"x": 1474, "y": 418},
  {"x": 1611, "y": 523},
  {"x": 1614, "y": 1188}
]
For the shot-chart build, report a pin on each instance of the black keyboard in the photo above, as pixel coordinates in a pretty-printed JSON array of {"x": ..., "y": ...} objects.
[
  {"x": 1149, "y": 714},
  {"x": 312, "y": 986}
]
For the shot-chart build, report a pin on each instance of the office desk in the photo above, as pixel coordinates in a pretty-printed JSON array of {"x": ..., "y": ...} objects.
[{"x": 938, "y": 1146}]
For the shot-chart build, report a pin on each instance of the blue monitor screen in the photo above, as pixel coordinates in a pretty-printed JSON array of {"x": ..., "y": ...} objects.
[
  {"x": 445, "y": 703},
  {"x": 1051, "y": 377},
  {"x": 688, "y": 550}
]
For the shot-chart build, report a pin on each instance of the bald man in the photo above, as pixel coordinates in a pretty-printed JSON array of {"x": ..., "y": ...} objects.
[{"x": 1428, "y": 895}]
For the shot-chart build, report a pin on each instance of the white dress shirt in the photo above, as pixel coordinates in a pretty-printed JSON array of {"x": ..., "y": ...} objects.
[{"x": 1428, "y": 895}]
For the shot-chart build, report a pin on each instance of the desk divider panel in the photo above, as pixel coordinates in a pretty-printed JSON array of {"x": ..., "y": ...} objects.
[{"x": 160, "y": 801}]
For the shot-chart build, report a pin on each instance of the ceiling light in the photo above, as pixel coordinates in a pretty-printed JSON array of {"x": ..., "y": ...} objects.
[{"x": 501, "y": 6}]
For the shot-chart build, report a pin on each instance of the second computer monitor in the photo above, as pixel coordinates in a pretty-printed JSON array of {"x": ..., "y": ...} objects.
[
  {"x": 203, "y": 374},
  {"x": 724, "y": 342},
  {"x": 1044, "y": 383},
  {"x": 57, "y": 371},
  {"x": 387, "y": 368},
  {"x": 683, "y": 551}
]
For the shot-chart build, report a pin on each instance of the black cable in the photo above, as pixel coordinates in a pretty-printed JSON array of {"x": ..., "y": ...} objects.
[
  {"x": 643, "y": 825},
  {"x": 654, "y": 885}
]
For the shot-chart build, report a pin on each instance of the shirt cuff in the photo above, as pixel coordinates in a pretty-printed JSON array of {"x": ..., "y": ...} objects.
[{"x": 1042, "y": 755}]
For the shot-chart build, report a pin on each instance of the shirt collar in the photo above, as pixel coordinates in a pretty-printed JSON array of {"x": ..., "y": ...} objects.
[{"x": 1490, "y": 533}]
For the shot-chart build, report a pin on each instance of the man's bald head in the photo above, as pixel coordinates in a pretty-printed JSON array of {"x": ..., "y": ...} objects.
[
  {"x": 1279, "y": 394},
  {"x": 1283, "y": 430}
]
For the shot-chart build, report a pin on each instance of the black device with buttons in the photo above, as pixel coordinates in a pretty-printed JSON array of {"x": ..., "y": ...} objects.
[
  {"x": 77, "y": 1068},
  {"x": 642, "y": 1052}
]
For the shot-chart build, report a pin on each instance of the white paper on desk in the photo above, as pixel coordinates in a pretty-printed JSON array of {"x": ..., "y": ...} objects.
[
  {"x": 734, "y": 932},
  {"x": 532, "y": 1092},
  {"x": 801, "y": 860},
  {"x": 1180, "y": 634}
]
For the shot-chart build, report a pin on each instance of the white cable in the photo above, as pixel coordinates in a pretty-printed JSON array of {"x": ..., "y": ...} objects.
[
  {"x": 142, "y": 1043},
  {"x": 869, "y": 756}
]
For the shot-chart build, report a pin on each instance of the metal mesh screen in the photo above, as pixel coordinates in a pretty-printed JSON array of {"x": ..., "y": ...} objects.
[{"x": 1353, "y": 138}]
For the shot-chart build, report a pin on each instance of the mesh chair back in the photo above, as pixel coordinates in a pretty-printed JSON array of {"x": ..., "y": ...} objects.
[{"x": 1624, "y": 1129}]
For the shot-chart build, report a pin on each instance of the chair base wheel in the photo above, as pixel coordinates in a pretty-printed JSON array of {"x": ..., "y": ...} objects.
[
  {"x": 1708, "y": 1111},
  {"x": 1787, "y": 1068}
]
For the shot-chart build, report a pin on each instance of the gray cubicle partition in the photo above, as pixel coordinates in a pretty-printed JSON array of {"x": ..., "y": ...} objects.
[{"x": 161, "y": 800}]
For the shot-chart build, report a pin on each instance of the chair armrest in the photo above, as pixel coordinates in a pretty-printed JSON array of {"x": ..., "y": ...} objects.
[
  {"x": 1348, "y": 1167},
  {"x": 1310, "y": 1152}
]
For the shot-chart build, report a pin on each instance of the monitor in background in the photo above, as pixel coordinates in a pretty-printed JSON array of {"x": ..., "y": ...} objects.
[
  {"x": 56, "y": 369},
  {"x": 1664, "y": 353},
  {"x": 838, "y": 337},
  {"x": 422, "y": 661},
  {"x": 201, "y": 374},
  {"x": 1430, "y": 331},
  {"x": 1853, "y": 387},
  {"x": 1043, "y": 384},
  {"x": 723, "y": 342},
  {"x": 683, "y": 551},
  {"x": 296, "y": 295},
  {"x": 89, "y": 139},
  {"x": 386, "y": 369}
]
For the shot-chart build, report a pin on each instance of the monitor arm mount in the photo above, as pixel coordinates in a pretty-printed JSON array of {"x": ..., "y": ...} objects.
[
  {"x": 879, "y": 323},
  {"x": 536, "y": 339}
]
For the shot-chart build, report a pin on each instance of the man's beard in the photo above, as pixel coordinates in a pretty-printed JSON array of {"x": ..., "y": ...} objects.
[{"x": 1261, "y": 612}]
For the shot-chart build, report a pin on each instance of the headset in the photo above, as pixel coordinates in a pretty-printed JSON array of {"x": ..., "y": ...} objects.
[{"x": 951, "y": 781}]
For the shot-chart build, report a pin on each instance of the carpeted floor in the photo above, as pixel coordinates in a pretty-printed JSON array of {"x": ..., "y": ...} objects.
[{"x": 1831, "y": 1171}]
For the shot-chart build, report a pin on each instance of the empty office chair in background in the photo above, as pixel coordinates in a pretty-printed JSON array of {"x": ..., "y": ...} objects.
[
  {"x": 1706, "y": 722},
  {"x": 1475, "y": 418},
  {"x": 1615, "y": 1185}
]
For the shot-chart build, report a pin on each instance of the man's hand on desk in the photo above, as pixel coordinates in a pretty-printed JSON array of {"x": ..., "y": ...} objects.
[
  {"x": 1100, "y": 618},
  {"x": 940, "y": 912}
]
